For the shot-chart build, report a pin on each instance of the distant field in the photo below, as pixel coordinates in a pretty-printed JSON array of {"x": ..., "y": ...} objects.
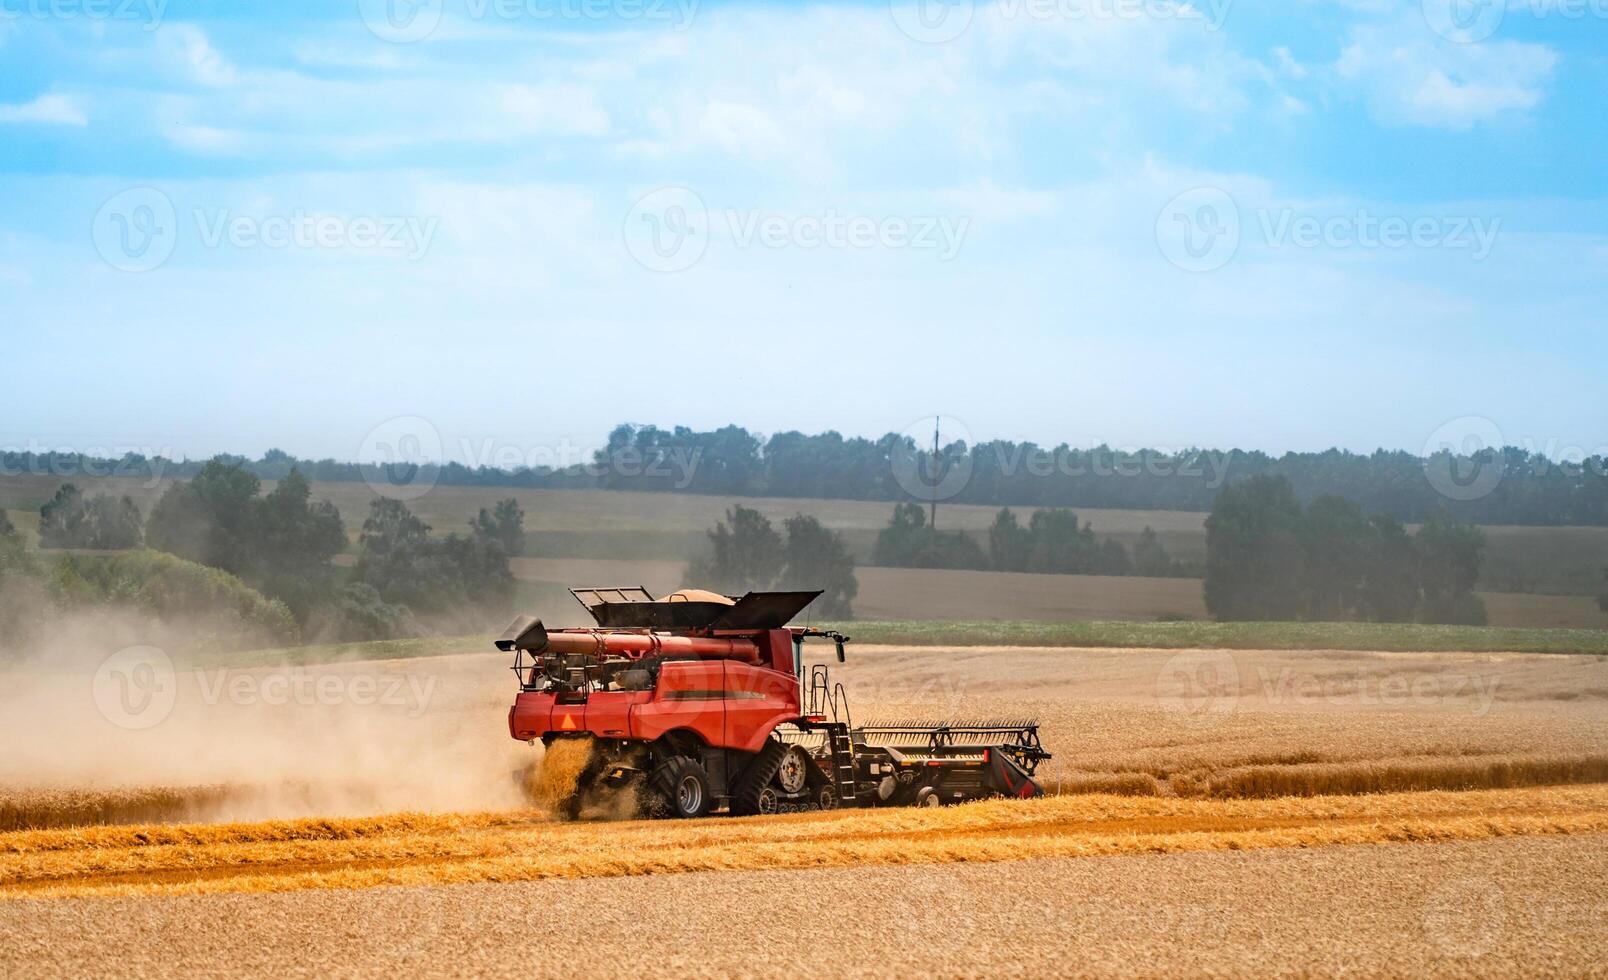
[
  {"x": 1387, "y": 637},
  {"x": 938, "y": 594},
  {"x": 621, "y": 525},
  {"x": 1383, "y": 637}
]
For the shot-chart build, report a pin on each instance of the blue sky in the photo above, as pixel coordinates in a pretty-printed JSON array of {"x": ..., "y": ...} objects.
[{"x": 1291, "y": 225}]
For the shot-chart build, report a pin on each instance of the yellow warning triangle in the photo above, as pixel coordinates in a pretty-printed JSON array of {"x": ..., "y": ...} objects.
[{"x": 568, "y": 724}]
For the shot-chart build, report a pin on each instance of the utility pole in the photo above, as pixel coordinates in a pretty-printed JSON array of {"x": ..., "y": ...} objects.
[{"x": 937, "y": 474}]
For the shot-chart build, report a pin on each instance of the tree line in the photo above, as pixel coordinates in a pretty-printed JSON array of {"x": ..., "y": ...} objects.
[
  {"x": 746, "y": 553},
  {"x": 1269, "y": 557},
  {"x": 283, "y": 545},
  {"x": 1526, "y": 487},
  {"x": 1051, "y": 542}
]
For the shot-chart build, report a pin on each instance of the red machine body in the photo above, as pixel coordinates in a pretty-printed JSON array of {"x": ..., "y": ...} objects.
[{"x": 733, "y": 697}]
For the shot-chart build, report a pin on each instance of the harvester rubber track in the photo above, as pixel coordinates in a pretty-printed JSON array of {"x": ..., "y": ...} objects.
[{"x": 745, "y": 800}]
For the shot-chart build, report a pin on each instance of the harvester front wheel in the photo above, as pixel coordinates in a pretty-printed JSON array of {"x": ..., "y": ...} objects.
[{"x": 681, "y": 788}]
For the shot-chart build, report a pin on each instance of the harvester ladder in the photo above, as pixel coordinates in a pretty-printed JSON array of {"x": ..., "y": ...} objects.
[{"x": 842, "y": 762}]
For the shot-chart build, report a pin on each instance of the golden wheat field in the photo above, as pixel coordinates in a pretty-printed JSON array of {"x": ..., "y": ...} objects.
[
  {"x": 1517, "y": 906},
  {"x": 389, "y": 790}
]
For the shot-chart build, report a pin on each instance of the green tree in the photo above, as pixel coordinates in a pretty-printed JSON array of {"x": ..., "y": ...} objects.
[
  {"x": 1150, "y": 557},
  {"x": 1390, "y": 592},
  {"x": 907, "y": 542},
  {"x": 172, "y": 588},
  {"x": 898, "y": 543},
  {"x": 62, "y": 520},
  {"x": 1111, "y": 558},
  {"x": 209, "y": 518},
  {"x": 1602, "y": 599},
  {"x": 24, "y": 602},
  {"x": 358, "y": 612},
  {"x": 394, "y": 555},
  {"x": 1009, "y": 544},
  {"x": 503, "y": 526},
  {"x": 745, "y": 553},
  {"x": 1254, "y": 553},
  {"x": 403, "y": 564},
  {"x": 1449, "y": 556},
  {"x": 293, "y": 544},
  {"x": 1061, "y": 545},
  {"x": 71, "y": 520},
  {"x": 283, "y": 543},
  {"x": 816, "y": 558},
  {"x": 1335, "y": 538}
]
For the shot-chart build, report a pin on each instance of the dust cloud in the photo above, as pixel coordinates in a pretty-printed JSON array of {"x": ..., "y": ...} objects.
[{"x": 93, "y": 713}]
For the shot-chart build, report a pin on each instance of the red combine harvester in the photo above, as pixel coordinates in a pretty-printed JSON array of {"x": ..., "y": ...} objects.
[{"x": 699, "y": 701}]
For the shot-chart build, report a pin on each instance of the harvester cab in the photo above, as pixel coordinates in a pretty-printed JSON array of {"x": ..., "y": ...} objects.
[{"x": 698, "y": 701}]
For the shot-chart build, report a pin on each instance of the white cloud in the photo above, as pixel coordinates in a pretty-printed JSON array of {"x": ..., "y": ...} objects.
[
  {"x": 1407, "y": 76},
  {"x": 56, "y": 110},
  {"x": 187, "y": 47},
  {"x": 210, "y": 140},
  {"x": 558, "y": 108}
]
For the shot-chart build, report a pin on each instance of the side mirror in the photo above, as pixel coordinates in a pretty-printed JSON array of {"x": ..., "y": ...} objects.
[{"x": 840, "y": 651}]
